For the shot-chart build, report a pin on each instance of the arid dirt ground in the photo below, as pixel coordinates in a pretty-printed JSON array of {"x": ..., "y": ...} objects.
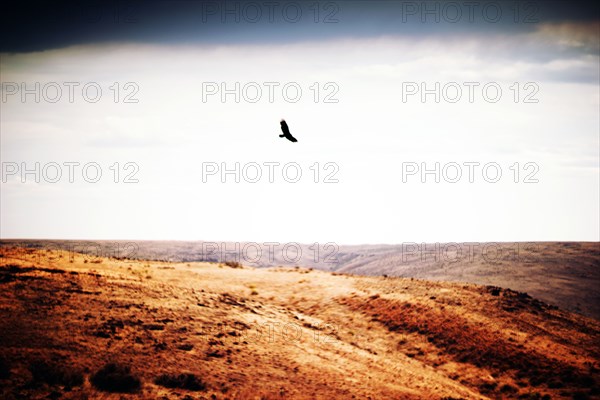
[
  {"x": 565, "y": 274},
  {"x": 75, "y": 328}
]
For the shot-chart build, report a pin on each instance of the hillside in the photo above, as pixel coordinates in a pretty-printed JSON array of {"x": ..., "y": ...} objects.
[
  {"x": 565, "y": 274},
  {"x": 75, "y": 328}
]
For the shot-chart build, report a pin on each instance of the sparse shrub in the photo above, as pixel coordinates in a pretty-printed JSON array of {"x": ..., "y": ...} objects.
[
  {"x": 494, "y": 290},
  {"x": 181, "y": 381},
  {"x": 487, "y": 387},
  {"x": 116, "y": 378},
  {"x": 233, "y": 264},
  {"x": 52, "y": 374},
  {"x": 506, "y": 388},
  {"x": 154, "y": 327},
  {"x": 555, "y": 384}
]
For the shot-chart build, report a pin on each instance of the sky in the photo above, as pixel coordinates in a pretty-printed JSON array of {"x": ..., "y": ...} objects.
[{"x": 416, "y": 121}]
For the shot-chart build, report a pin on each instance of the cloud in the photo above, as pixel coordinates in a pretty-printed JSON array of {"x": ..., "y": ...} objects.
[
  {"x": 368, "y": 133},
  {"x": 31, "y": 27}
]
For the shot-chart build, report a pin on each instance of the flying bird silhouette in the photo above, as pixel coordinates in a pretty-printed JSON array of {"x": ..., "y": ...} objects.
[{"x": 286, "y": 132}]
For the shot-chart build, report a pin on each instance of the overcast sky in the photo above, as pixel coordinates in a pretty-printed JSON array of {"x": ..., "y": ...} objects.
[{"x": 360, "y": 68}]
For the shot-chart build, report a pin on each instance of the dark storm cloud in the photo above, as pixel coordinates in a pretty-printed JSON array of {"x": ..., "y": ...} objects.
[{"x": 29, "y": 26}]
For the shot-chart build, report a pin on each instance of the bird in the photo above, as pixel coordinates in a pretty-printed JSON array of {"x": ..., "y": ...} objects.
[{"x": 286, "y": 132}]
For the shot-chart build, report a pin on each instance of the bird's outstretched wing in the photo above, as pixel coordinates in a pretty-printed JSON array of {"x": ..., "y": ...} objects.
[
  {"x": 286, "y": 132},
  {"x": 284, "y": 127}
]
